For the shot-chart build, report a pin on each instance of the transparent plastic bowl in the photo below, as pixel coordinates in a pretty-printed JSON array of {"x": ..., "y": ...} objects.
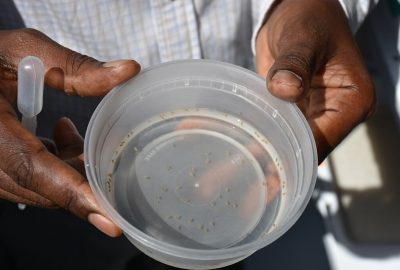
[{"x": 198, "y": 163}]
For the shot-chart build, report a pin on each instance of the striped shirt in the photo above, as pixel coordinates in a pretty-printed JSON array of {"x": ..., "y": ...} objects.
[{"x": 154, "y": 31}]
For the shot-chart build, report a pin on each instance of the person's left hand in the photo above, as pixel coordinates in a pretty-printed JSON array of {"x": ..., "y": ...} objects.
[{"x": 308, "y": 55}]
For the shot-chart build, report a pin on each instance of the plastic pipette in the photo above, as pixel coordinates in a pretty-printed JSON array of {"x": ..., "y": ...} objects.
[{"x": 30, "y": 93}]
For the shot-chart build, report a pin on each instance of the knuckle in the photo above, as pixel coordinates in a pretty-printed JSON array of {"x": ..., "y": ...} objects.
[
  {"x": 297, "y": 60},
  {"x": 70, "y": 200},
  {"x": 74, "y": 62},
  {"x": 73, "y": 67},
  {"x": 20, "y": 168}
]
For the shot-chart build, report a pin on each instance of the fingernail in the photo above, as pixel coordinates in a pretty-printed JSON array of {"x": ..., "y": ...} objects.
[
  {"x": 116, "y": 63},
  {"x": 286, "y": 84},
  {"x": 104, "y": 224}
]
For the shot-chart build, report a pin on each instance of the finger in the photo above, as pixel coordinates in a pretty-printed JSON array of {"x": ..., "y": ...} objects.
[
  {"x": 29, "y": 165},
  {"x": 5, "y": 195},
  {"x": 299, "y": 44},
  {"x": 77, "y": 163},
  {"x": 69, "y": 144},
  {"x": 50, "y": 145},
  {"x": 67, "y": 138},
  {"x": 296, "y": 62},
  {"x": 65, "y": 69}
]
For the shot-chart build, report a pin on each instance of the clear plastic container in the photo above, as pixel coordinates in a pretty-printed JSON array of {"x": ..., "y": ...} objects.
[{"x": 198, "y": 164}]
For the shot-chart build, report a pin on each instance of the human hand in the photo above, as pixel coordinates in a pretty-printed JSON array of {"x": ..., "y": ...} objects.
[
  {"x": 30, "y": 174},
  {"x": 308, "y": 55}
]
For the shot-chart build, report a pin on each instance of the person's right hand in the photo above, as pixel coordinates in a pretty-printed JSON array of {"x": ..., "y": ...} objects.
[{"x": 30, "y": 174}]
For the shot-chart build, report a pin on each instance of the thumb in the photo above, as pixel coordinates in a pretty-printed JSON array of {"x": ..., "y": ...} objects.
[
  {"x": 65, "y": 69},
  {"x": 290, "y": 76}
]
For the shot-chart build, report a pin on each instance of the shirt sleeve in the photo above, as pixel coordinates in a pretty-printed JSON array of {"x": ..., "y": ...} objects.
[{"x": 356, "y": 11}]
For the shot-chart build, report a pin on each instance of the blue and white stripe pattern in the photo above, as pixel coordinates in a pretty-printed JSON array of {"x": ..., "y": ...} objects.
[
  {"x": 150, "y": 31},
  {"x": 154, "y": 31}
]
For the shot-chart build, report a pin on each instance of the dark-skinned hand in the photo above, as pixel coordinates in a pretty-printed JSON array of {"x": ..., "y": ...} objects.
[
  {"x": 306, "y": 51},
  {"x": 29, "y": 173}
]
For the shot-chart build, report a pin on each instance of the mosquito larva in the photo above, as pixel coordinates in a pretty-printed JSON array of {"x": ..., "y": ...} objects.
[{"x": 193, "y": 172}]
